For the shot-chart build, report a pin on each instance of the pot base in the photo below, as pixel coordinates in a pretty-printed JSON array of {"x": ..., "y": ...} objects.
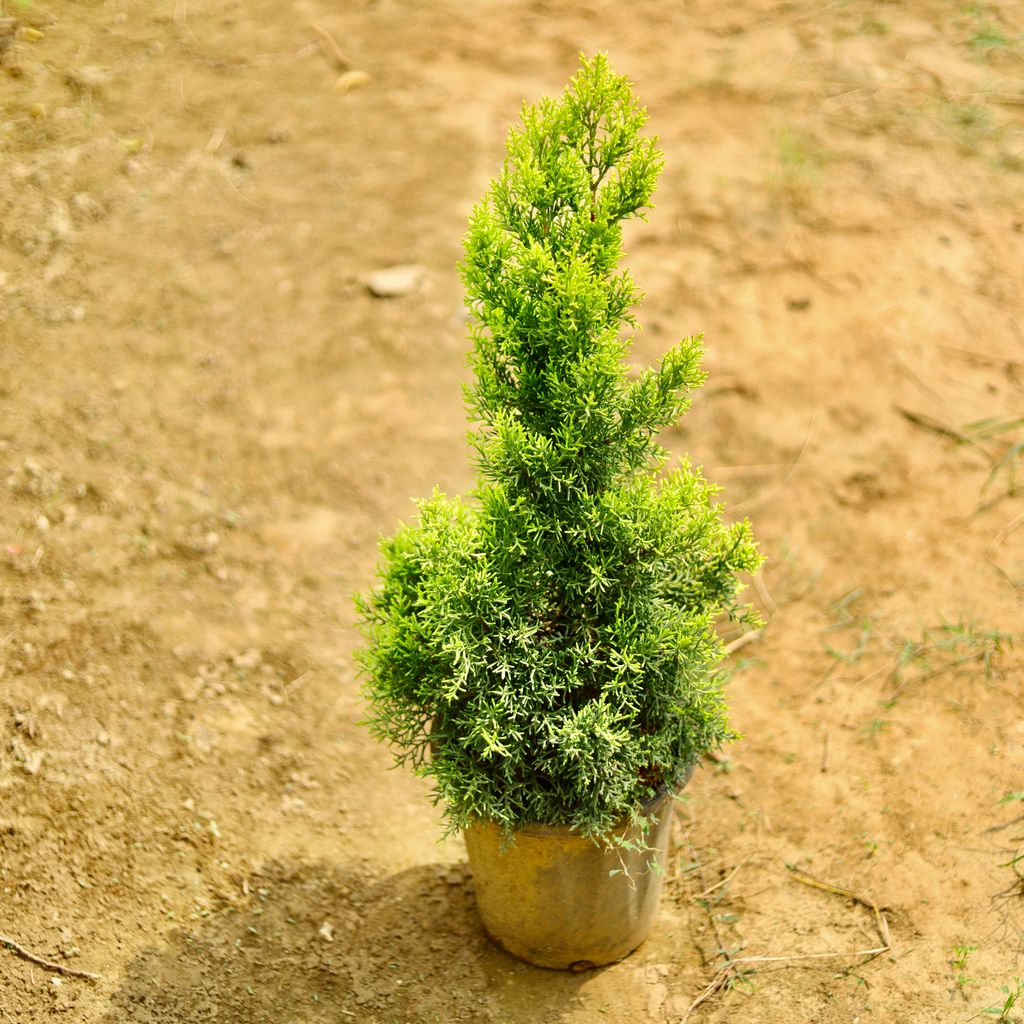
[
  {"x": 576, "y": 967},
  {"x": 555, "y": 899}
]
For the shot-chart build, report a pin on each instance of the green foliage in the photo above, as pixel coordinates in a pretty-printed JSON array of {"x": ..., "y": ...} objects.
[
  {"x": 1005, "y": 462},
  {"x": 546, "y": 652},
  {"x": 961, "y": 954},
  {"x": 949, "y": 648},
  {"x": 958, "y": 961},
  {"x": 799, "y": 164},
  {"x": 1009, "y": 998}
]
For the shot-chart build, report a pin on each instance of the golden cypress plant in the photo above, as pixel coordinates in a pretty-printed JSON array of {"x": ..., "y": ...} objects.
[{"x": 546, "y": 651}]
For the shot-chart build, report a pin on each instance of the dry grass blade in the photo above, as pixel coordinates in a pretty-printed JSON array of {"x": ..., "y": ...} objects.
[
  {"x": 732, "y": 967},
  {"x": 725, "y": 881},
  {"x": 881, "y": 923},
  {"x": 939, "y": 670},
  {"x": 1007, "y": 461},
  {"x": 758, "y": 499},
  {"x": 21, "y": 951},
  {"x": 1007, "y": 530},
  {"x": 1005, "y": 824},
  {"x": 935, "y": 427},
  {"x": 723, "y": 972}
]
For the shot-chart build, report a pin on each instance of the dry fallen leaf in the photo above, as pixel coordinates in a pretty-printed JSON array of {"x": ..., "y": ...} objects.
[{"x": 352, "y": 80}]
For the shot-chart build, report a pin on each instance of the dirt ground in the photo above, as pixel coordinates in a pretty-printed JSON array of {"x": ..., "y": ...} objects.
[{"x": 208, "y": 420}]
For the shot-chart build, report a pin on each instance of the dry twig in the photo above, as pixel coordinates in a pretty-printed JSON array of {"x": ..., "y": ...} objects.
[
  {"x": 742, "y": 641},
  {"x": 298, "y": 682},
  {"x": 766, "y": 598},
  {"x": 21, "y": 951},
  {"x": 331, "y": 48}
]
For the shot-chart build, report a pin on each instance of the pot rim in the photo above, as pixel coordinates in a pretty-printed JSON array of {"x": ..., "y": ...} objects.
[
  {"x": 665, "y": 791},
  {"x": 681, "y": 781}
]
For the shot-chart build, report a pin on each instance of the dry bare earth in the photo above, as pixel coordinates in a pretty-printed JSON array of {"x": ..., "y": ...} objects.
[{"x": 208, "y": 420}]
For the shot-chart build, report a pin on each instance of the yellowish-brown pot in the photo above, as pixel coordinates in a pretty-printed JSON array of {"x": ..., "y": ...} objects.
[{"x": 554, "y": 898}]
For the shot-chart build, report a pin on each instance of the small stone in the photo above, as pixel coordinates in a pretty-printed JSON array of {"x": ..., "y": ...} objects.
[
  {"x": 8, "y": 26},
  {"x": 86, "y": 78},
  {"x": 86, "y": 205},
  {"x": 61, "y": 223},
  {"x": 27, "y": 723},
  {"x": 656, "y": 996},
  {"x": 326, "y": 931},
  {"x": 248, "y": 659},
  {"x": 393, "y": 282}
]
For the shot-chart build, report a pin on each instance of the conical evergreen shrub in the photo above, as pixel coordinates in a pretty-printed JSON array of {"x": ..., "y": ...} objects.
[{"x": 546, "y": 652}]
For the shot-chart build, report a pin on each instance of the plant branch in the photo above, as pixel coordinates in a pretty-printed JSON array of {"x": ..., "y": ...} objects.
[{"x": 25, "y": 954}]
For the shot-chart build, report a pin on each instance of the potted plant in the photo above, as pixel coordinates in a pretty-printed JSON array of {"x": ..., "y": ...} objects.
[{"x": 546, "y": 652}]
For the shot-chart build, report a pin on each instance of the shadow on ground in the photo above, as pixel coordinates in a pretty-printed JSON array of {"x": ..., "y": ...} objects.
[{"x": 313, "y": 943}]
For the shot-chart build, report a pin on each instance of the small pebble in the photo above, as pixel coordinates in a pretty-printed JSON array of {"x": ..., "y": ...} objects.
[{"x": 393, "y": 282}]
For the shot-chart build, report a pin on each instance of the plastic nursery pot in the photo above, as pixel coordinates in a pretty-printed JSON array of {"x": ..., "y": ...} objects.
[{"x": 554, "y": 898}]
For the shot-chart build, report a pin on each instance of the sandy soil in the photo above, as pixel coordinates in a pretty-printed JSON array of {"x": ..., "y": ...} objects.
[{"x": 208, "y": 420}]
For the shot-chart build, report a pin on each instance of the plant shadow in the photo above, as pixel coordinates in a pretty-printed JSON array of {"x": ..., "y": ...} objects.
[{"x": 318, "y": 943}]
